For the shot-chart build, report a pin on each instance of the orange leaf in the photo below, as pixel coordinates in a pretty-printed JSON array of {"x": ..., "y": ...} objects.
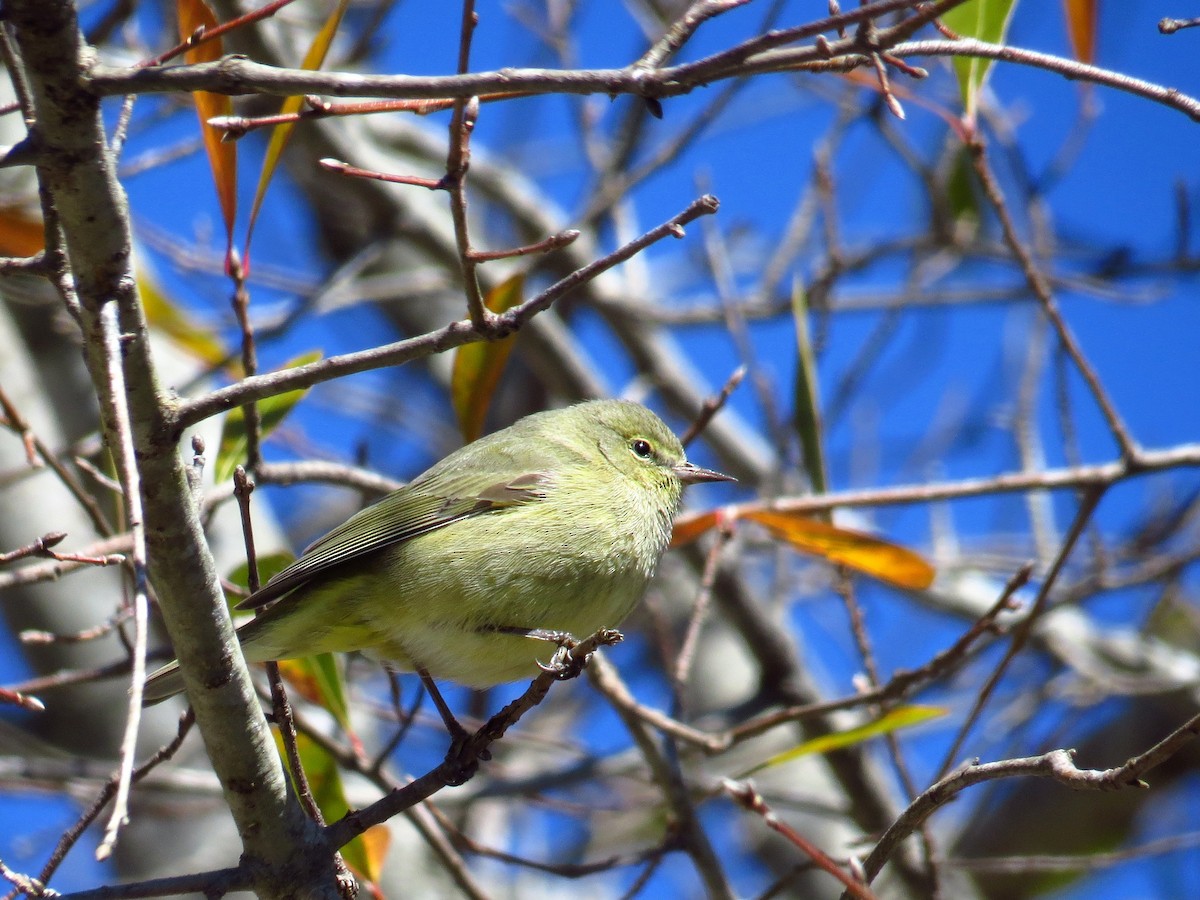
[
  {"x": 281, "y": 133},
  {"x": 688, "y": 528},
  {"x": 478, "y": 366},
  {"x": 222, "y": 156},
  {"x": 1081, "y": 26},
  {"x": 300, "y": 679},
  {"x": 867, "y": 554},
  {"x": 21, "y": 234},
  {"x": 375, "y": 843}
]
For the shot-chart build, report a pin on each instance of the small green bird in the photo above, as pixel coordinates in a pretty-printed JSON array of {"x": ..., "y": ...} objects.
[{"x": 553, "y": 524}]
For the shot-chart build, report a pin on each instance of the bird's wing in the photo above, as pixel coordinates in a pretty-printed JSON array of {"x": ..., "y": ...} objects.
[{"x": 432, "y": 502}]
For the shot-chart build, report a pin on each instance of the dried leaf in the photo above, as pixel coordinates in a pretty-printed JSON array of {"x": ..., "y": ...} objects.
[
  {"x": 1081, "y": 26},
  {"x": 478, "y": 366},
  {"x": 222, "y": 156},
  {"x": 282, "y": 133},
  {"x": 165, "y": 315},
  {"x": 691, "y": 527},
  {"x": 859, "y": 551},
  {"x": 319, "y": 680},
  {"x": 21, "y": 232}
]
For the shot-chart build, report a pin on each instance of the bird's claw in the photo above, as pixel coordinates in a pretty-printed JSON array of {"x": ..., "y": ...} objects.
[
  {"x": 568, "y": 662},
  {"x": 563, "y": 664}
]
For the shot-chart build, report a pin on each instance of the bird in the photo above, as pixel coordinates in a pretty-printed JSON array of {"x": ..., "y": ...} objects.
[{"x": 551, "y": 526}]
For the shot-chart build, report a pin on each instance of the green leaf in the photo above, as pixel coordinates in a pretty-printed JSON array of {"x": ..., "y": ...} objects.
[
  {"x": 984, "y": 20},
  {"x": 808, "y": 404},
  {"x": 962, "y": 195},
  {"x": 268, "y": 566},
  {"x": 271, "y": 412},
  {"x": 892, "y": 720}
]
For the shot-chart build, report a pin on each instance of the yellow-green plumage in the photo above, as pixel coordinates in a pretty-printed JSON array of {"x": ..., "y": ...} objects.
[{"x": 555, "y": 523}]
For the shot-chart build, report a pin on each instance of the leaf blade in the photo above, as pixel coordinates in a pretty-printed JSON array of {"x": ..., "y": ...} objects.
[
  {"x": 858, "y": 550},
  {"x": 314, "y": 58},
  {"x": 1081, "y": 28},
  {"x": 271, "y": 411},
  {"x": 893, "y": 720},
  {"x": 222, "y": 155},
  {"x": 984, "y": 20},
  {"x": 478, "y": 366},
  {"x": 807, "y": 395}
]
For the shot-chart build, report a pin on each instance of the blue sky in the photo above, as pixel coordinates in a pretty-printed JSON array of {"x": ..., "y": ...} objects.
[{"x": 1119, "y": 194}]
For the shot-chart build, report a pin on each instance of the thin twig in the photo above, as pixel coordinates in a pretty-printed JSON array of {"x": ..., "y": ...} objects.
[
  {"x": 215, "y": 883},
  {"x": 554, "y": 242},
  {"x": 453, "y": 335},
  {"x": 240, "y": 301},
  {"x": 563, "y": 869},
  {"x": 1057, "y": 764},
  {"x": 16, "y": 75},
  {"x": 39, "y": 547},
  {"x": 1170, "y": 26},
  {"x": 340, "y": 168},
  {"x": 72, "y": 834},
  {"x": 69, "y": 677},
  {"x": 844, "y": 587},
  {"x": 1093, "y": 861},
  {"x": 666, "y": 774},
  {"x": 243, "y": 488},
  {"x": 237, "y": 75},
  {"x": 1102, "y": 475},
  {"x": 35, "y": 445},
  {"x": 744, "y": 794},
  {"x": 1024, "y": 629},
  {"x": 1041, "y": 289},
  {"x": 712, "y": 406},
  {"x": 126, "y": 461},
  {"x": 109, "y": 551},
  {"x": 16, "y": 698},
  {"x": 460, "y": 764},
  {"x": 683, "y": 28},
  {"x": 204, "y": 35},
  {"x": 700, "y": 609},
  {"x": 1069, "y": 68},
  {"x": 458, "y": 161},
  {"x": 34, "y": 636}
]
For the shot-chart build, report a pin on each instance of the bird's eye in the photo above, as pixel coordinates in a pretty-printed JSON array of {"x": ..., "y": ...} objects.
[{"x": 642, "y": 448}]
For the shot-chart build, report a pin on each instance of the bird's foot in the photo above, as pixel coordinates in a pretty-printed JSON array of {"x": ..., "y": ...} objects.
[
  {"x": 572, "y": 655},
  {"x": 563, "y": 665}
]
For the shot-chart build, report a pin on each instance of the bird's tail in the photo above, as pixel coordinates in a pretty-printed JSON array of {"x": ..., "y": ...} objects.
[
  {"x": 168, "y": 681},
  {"x": 163, "y": 683}
]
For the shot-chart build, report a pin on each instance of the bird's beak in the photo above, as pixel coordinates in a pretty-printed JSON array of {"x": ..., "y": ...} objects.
[{"x": 692, "y": 474}]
